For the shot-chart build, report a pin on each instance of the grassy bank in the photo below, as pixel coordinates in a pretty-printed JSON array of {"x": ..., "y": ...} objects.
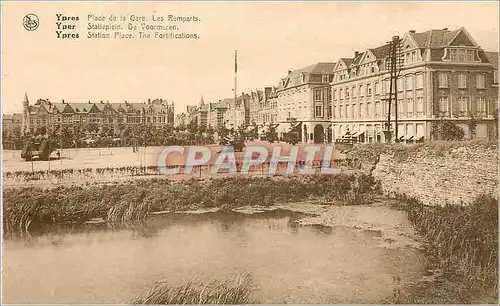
[
  {"x": 462, "y": 245},
  {"x": 30, "y": 208},
  {"x": 229, "y": 292}
]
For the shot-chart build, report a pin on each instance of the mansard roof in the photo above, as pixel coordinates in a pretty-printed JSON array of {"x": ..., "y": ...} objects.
[
  {"x": 79, "y": 108},
  {"x": 303, "y": 75},
  {"x": 441, "y": 38},
  {"x": 492, "y": 58}
]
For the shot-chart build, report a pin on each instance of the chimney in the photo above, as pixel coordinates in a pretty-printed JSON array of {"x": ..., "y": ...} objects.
[
  {"x": 267, "y": 93},
  {"x": 356, "y": 53},
  {"x": 412, "y": 31},
  {"x": 289, "y": 71},
  {"x": 89, "y": 101},
  {"x": 149, "y": 101},
  {"x": 63, "y": 101},
  {"x": 445, "y": 29},
  {"x": 102, "y": 102}
]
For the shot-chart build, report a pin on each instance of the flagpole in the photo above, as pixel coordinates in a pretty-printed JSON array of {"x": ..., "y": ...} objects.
[{"x": 235, "y": 76}]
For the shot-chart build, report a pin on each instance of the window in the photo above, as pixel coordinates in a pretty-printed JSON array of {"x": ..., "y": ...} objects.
[
  {"x": 348, "y": 111},
  {"x": 347, "y": 92},
  {"x": 443, "y": 105},
  {"x": 410, "y": 107},
  {"x": 419, "y": 80},
  {"x": 372, "y": 69},
  {"x": 387, "y": 86},
  {"x": 400, "y": 84},
  {"x": 341, "y": 94},
  {"x": 335, "y": 94},
  {"x": 329, "y": 95},
  {"x": 462, "y": 104},
  {"x": 443, "y": 80},
  {"x": 420, "y": 105},
  {"x": 361, "y": 112},
  {"x": 361, "y": 93},
  {"x": 462, "y": 80},
  {"x": 481, "y": 105},
  {"x": 329, "y": 112},
  {"x": 409, "y": 82},
  {"x": 470, "y": 55},
  {"x": 368, "y": 109},
  {"x": 480, "y": 81},
  {"x": 461, "y": 55},
  {"x": 453, "y": 55},
  {"x": 319, "y": 110},
  {"x": 414, "y": 56},
  {"x": 353, "y": 91},
  {"x": 326, "y": 78},
  {"x": 377, "y": 109},
  {"x": 401, "y": 107},
  {"x": 369, "y": 89},
  {"x": 318, "y": 95},
  {"x": 341, "y": 111}
]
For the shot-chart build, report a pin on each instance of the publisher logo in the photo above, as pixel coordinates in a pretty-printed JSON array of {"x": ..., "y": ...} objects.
[{"x": 31, "y": 22}]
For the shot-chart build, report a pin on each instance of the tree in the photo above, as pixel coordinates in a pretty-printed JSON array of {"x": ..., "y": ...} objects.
[
  {"x": 192, "y": 127},
  {"x": 496, "y": 123},
  {"x": 223, "y": 133},
  {"x": 254, "y": 132},
  {"x": 293, "y": 135},
  {"x": 41, "y": 130},
  {"x": 66, "y": 136},
  {"x": 92, "y": 128},
  {"x": 447, "y": 130},
  {"x": 271, "y": 133},
  {"x": 472, "y": 123}
]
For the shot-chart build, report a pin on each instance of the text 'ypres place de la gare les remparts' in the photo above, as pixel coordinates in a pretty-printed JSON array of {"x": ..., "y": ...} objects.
[{"x": 127, "y": 26}]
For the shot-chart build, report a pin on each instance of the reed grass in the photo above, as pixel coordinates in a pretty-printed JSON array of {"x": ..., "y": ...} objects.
[
  {"x": 461, "y": 242},
  {"x": 30, "y": 208},
  {"x": 217, "y": 292}
]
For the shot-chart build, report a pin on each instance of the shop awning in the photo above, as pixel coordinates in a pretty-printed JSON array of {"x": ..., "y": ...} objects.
[{"x": 357, "y": 134}]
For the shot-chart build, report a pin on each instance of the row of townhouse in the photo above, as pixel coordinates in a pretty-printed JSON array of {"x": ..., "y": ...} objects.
[
  {"x": 117, "y": 116},
  {"x": 445, "y": 76},
  {"x": 230, "y": 113}
]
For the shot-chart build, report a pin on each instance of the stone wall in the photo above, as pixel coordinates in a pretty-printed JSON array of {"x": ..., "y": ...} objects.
[{"x": 439, "y": 176}]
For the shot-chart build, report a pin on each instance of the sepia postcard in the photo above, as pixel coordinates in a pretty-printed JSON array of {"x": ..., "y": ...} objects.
[{"x": 255, "y": 152}]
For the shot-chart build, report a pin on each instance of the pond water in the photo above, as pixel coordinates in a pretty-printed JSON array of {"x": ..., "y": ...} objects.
[{"x": 287, "y": 263}]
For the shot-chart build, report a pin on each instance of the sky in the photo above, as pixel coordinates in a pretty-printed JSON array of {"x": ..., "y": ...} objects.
[{"x": 271, "y": 38}]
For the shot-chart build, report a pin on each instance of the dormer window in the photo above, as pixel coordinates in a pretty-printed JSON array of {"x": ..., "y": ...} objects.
[
  {"x": 460, "y": 55},
  {"x": 326, "y": 78}
]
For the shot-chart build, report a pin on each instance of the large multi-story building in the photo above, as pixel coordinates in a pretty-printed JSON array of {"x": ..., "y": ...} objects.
[
  {"x": 268, "y": 107},
  {"x": 445, "y": 76},
  {"x": 304, "y": 99},
  {"x": 12, "y": 125},
  {"x": 51, "y": 115},
  {"x": 224, "y": 112}
]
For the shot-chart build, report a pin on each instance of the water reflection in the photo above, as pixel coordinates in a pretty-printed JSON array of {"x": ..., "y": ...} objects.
[{"x": 102, "y": 263}]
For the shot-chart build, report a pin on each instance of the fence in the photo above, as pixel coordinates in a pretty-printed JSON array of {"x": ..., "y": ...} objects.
[{"x": 65, "y": 176}]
